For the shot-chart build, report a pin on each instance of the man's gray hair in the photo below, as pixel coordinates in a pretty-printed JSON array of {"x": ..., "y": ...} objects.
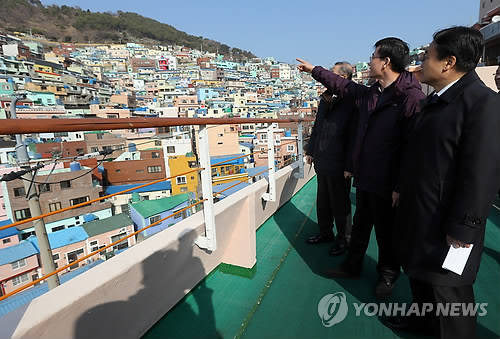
[{"x": 345, "y": 68}]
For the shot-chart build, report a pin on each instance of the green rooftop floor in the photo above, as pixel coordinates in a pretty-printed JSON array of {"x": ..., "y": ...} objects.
[{"x": 281, "y": 299}]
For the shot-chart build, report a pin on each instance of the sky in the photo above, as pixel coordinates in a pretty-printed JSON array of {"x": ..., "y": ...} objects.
[{"x": 319, "y": 31}]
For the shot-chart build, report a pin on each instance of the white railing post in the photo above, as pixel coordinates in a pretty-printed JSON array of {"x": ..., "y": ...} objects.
[
  {"x": 300, "y": 152},
  {"x": 209, "y": 241},
  {"x": 271, "y": 195}
]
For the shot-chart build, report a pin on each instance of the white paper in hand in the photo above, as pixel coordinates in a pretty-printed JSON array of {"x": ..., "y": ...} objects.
[{"x": 456, "y": 259}]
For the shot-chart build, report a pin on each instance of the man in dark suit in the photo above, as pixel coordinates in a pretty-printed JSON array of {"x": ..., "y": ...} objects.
[
  {"x": 384, "y": 111},
  {"x": 329, "y": 148},
  {"x": 449, "y": 178},
  {"x": 497, "y": 78}
]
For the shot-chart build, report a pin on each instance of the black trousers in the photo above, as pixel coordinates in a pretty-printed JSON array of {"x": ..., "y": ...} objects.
[
  {"x": 373, "y": 210},
  {"x": 333, "y": 203},
  {"x": 457, "y": 326}
]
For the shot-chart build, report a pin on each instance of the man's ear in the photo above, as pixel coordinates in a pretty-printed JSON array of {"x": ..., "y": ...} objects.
[{"x": 449, "y": 62}]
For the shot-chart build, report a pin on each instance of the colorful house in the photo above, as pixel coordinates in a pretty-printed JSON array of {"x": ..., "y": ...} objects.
[
  {"x": 18, "y": 266},
  {"x": 181, "y": 164},
  {"x": 146, "y": 212}
]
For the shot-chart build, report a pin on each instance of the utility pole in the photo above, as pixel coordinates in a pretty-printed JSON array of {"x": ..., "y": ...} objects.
[{"x": 48, "y": 264}]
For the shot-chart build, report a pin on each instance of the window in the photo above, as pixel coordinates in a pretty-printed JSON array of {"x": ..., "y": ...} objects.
[
  {"x": 22, "y": 214},
  {"x": 220, "y": 134},
  {"x": 73, "y": 256},
  {"x": 65, "y": 184},
  {"x": 44, "y": 188},
  {"x": 94, "y": 149},
  {"x": 20, "y": 279},
  {"x": 290, "y": 148},
  {"x": 57, "y": 228},
  {"x": 60, "y": 134},
  {"x": 220, "y": 143},
  {"x": 18, "y": 264},
  {"x": 55, "y": 256},
  {"x": 94, "y": 246},
  {"x": 117, "y": 170},
  {"x": 154, "y": 169},
  {"x": 79, "y": 200},
  {"x": 184, "y": 189},
  {"x": 6, "y": 241},
  {"x": 125, "y": 208},
  {"x": 54, "y": 206},
  {"x": 123, "y": 244},
  {"x": 154, "y": 219},
  {"x": 19, "y": 192},
  {"x": 181, "y": 180},
  {"x": 157, "y": 142},
  {"x": 80, "y": 151},
  {"x": 139, "y": 171},
  {"x": 170, "y": 149},
  {"x": 263, "y": 136},
  {"x": 155, "y": 155},
  {"x": 99, "y": 136}
]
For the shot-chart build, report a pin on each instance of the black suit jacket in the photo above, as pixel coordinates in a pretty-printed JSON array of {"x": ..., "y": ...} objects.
[
  {"x": 333, "y": 135},
  {"x": 450, "y": 175}
]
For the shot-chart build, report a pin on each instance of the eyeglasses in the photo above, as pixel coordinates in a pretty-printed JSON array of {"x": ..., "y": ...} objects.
[{"x": 375, "y": 57}]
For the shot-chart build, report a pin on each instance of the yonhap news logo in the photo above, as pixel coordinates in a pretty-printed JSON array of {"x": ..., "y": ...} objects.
[{"x": 332, "y": 309}]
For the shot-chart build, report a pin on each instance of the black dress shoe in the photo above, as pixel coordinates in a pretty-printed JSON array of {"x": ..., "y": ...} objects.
[
  {"x": 338, "y": 248},
  {"x": 342, "y": 272},
  {"x": 383, "y": 289},
  {"x": 318, "y": 239}
]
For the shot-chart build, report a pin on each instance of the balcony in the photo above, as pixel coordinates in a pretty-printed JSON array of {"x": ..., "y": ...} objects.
[{"x": 262, "y": 281}]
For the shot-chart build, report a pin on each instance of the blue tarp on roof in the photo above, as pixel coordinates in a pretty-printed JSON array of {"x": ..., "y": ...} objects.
[
  {"x": 216, "y": 159},
  {"x": 26, "y": 296},
  {"x": 247, "y": 144},
  {"x": 16, "y": 252},
  {"x": 253, "y": 171},
  {"x": 8, "y": 232},
  {"x": 63, "y": 237},
  {"x": 220, "y": 187},
  {"x": 161, "y": 186}
]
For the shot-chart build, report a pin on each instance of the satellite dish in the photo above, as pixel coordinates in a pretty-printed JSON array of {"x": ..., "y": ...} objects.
[{"x": 496, "y": 18}]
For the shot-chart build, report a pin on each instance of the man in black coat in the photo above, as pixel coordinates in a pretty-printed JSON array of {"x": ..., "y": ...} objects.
[
  {"x": 384, "y": 111},
  {"x": 449, "y": 178},
  {"x": 497, "y": 78},
  {"x": 329, "y": 148}
]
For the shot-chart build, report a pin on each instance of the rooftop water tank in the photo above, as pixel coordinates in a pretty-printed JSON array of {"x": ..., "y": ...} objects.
[{"x": 75, "y": 166}]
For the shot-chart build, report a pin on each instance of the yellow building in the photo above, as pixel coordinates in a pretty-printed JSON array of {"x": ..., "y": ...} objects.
[
  {"x": 185, "y": 183},
  {"x": 230, "y": 178},
  {"x": 226, "y": 169}
]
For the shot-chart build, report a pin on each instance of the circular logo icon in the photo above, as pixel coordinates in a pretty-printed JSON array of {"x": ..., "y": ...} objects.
[{"x": 332, "y": 309}]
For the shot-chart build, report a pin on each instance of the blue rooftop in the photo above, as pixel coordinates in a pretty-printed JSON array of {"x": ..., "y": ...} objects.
[
  {"x": 24, "y": 297},
  {"x": 8, "y": 232},
  {"x": 63, "y": 237},
  {"x": 246, "y": 144},
  {"x": 220, "y": 158},
  {"x": 253, "y": 171},
  {"x": 16, "y": 252},
  {"x": 220, "y": 187},
  {"x": 161, "y": 186}
]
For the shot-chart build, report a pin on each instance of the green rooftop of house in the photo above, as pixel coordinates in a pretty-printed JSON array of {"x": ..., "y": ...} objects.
[
  {"x": 279, "y": 297},
  {"x": 101, "y": 226},
  {"x": 148, "y": 208}
]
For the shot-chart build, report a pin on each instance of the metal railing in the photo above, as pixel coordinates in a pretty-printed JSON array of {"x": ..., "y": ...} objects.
[{"x": 208, "y": 241}]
